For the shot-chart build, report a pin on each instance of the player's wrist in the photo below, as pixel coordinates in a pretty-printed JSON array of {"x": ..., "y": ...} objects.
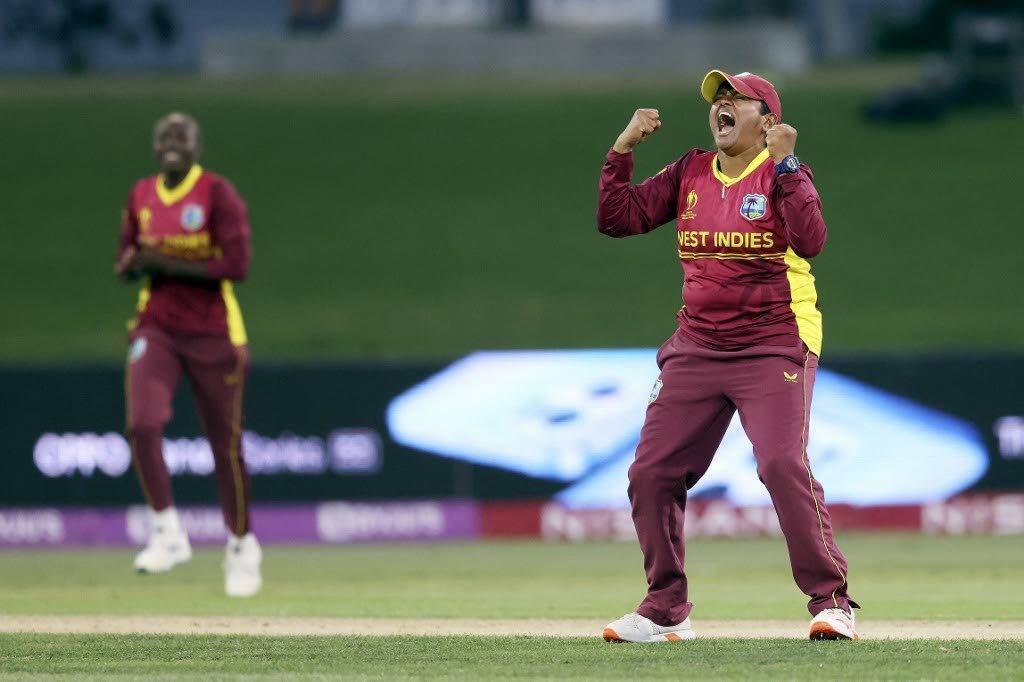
[
  {"x": 787, "y": 164},
  {"x": 621, "y": 147}
]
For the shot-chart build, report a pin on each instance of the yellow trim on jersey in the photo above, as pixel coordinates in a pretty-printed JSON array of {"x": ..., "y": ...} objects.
[
  {"x": 726, "y": 180},
  {"x": 236, "y": 327},
  {"x": 140, "y": 304},
  {"x": 731, "y": 256},
  {"x": 169, "y": 196},
  {"x": 804, "y": 300}
]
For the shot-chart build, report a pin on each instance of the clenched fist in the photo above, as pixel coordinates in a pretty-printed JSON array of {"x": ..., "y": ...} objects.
[
  {"x": 641, "y": 126},
  {"x": 781, "y": 141}
]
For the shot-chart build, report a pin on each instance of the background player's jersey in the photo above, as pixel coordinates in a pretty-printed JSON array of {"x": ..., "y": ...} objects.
[
  {"x": 203, "y": 219},
  {"x": 742, "y": 243}
]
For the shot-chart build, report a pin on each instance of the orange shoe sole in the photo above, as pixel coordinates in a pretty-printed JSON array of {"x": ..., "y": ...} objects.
[
  {"x": 611, "y": 636},
  {"x": 824, "y": 631}
]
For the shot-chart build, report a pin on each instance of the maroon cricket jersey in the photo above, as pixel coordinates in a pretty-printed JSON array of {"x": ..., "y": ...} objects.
[
  {"x": 743, "y": 244},
  {"x": 204, "y": 219}
]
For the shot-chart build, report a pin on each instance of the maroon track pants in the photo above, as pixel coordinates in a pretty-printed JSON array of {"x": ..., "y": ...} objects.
[
  {"x": 216, "y": 371},
  {"x": 701, "y": 389}
]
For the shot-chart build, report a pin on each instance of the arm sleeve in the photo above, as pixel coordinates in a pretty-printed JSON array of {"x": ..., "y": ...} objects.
[
  {"x": 129, "y": 226},
  {"x": 800, "y": 206},
  {"x": 230, "y": 227},
  {"x": 623, "y": 210}
]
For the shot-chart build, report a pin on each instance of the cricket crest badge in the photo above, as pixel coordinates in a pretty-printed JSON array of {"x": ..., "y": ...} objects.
[
  {"x": 754, "y": 206},
  {"x": 192, "y": 217}
]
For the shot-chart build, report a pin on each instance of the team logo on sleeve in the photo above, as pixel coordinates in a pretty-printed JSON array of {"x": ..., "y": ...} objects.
[
  {"x": 655, "y": 391},
  {"x": 137, "y": 349},
  {"x": 192, "y": 217},
  {"x": 754, "y": 206}
]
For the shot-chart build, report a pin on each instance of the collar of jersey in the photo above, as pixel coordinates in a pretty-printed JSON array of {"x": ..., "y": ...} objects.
[
  {"x": 169, "y": 196},
  {"x": 726, "y": 180}
]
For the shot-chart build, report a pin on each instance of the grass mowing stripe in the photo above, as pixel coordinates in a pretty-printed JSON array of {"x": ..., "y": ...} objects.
[
  {"x": 501, "y": 657},
  {"x": 895, "y": 576}
]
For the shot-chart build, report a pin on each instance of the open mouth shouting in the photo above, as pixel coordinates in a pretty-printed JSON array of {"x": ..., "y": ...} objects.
[{"x": 725, "y": 121}]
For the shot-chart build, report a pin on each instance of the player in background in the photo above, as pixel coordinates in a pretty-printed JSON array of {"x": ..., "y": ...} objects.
[
  {"x": 185, "y": 232},
  {"x": 748, "y": 339}
]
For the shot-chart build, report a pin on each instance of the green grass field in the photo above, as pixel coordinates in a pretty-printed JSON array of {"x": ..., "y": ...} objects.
[
  {"x": 491, "y": 658},
  {"x": 895, "y": 577},
  {"x": 428, "y": 220}
]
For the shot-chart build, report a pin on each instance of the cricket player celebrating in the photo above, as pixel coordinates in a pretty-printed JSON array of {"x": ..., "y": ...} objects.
[
  {"x": 186, "y": 232},
  {"x": 749, "y": 335}
]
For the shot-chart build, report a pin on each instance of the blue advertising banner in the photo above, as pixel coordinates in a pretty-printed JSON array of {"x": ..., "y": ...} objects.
[{"x": 558, "y": 425}]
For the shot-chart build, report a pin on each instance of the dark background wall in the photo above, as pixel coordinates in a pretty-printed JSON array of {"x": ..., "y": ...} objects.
[{"x": 313, "y": 401}]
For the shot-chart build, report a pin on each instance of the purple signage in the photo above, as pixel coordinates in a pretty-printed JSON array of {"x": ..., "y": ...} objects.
[{"x": 327, "y": 522}]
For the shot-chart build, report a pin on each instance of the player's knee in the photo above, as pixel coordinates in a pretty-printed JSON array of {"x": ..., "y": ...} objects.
[
  {"x": 645, "y": 480},
  {"x": 144, "y": 429},
  {"x": 780, "y": 469}
]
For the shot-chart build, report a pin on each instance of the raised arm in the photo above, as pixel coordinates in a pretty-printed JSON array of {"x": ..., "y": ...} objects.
[
  {"x": 795, "y": 197},
  {"x": 623, "y": 210},
  {"x": 798, "y": 202}
]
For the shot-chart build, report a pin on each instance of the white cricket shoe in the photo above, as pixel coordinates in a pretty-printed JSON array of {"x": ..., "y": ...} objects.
[
  {"x": 168, "y": 544},
  {"x": 242, "y": 559},
  {"x": 635, "y": 628},
  {"x": 834, "y": 624}
]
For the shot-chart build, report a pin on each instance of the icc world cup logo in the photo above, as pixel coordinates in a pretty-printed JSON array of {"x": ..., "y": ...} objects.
[{"x": 691, "y": 201}]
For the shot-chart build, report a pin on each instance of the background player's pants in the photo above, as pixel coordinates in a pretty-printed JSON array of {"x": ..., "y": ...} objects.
[
  {"x": 217, "y": 371},
  {"x": 701, "y": 389}
]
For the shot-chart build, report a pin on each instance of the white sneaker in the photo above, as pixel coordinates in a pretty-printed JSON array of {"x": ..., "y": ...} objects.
[
  {"x": 635, "y": 628},
  {"x": 834, "y": 624},
  {"x": 168, "y": 544},
  {"x": 242, "y": 559}
]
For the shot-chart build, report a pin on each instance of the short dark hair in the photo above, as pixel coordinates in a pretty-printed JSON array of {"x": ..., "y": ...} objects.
[{"x": 764, "y": 108}]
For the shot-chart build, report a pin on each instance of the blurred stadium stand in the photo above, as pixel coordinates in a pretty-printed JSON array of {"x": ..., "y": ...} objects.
[
  {"x": 122, "y": 35},
  {"x": 977, "y": 48},
  {"x": 970, "y": 45},
  {"x": 456, "y": 36},
  {"x": 624, "y": 52}
]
